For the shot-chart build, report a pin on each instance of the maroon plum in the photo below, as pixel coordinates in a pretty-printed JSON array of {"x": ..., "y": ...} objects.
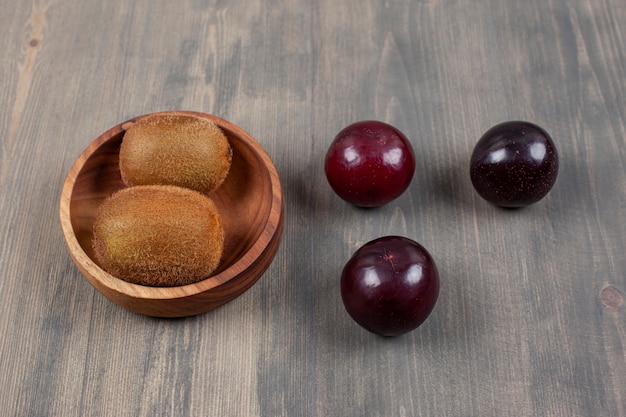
[
  {"x": 390, "y": 285},
  {"x": 514, "y": 164},
  {"x": 369, "y": 163}
]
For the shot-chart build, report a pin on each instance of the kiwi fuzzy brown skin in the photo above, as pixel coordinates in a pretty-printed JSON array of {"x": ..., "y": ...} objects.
[
  {"x": 158, "y": 235},
  {"x": 171, "y": 149}
]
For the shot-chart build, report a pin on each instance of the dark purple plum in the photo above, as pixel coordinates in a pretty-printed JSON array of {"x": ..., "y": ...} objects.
[
  {"x": 390, "y": 285},
  {"x": 369, "y": 163},
  {"x": 514, "y": 164}
]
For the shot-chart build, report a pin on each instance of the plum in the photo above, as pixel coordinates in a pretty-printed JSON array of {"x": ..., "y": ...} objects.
[
  {"x": 514, "y": 164},
  {"x": 369, "y": 163},
  {"x": 390, "y": 285}
]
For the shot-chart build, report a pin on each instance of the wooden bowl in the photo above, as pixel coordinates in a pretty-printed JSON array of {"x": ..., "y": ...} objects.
[{"x": 250, "y": 202}]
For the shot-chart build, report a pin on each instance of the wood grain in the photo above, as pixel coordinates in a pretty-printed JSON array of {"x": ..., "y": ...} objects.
[{"x": 530, "y": 319}]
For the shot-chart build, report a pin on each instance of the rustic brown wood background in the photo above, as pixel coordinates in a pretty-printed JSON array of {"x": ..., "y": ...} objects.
[{"x": 531, "y": 318}]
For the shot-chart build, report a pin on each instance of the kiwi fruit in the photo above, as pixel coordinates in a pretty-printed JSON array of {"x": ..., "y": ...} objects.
[
  {"x": 174, "y": 149},
  {"x": 158, "y": 235}
]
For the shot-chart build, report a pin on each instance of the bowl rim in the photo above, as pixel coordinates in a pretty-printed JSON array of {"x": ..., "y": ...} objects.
[{"x": 96, "y": 275}]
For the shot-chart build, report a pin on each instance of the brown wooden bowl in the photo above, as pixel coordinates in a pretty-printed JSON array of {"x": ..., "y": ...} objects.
[{"x": 250, "y": 202}]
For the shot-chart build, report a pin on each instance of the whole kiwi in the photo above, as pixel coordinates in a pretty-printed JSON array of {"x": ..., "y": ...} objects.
[
  {"x": 174, "y": 149},
  {"x": 158, "y": 235}
]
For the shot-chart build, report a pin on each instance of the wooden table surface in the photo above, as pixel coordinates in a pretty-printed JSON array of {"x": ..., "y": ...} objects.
[{"x": 531, "y": 318}]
